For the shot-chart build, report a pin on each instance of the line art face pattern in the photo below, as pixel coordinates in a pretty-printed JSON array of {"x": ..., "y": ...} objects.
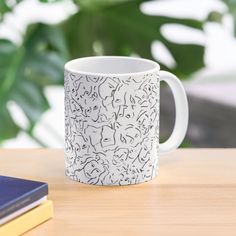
[{"x": 111, "y": 128}]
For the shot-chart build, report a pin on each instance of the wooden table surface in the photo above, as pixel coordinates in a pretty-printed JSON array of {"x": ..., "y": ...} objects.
[{"x": 194, "y": 194}]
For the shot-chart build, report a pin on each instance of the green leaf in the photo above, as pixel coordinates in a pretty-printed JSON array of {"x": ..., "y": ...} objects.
[
  {"x": 8, "y": 128},
  {"x": 215, "y": 16},
  {"x": 7, "y": 6},
  {"x": 91, "y": 5},
  {"x": 49, "y": 1},
  {"x": 7, "y": 55},
  {"x": 25, "y": 70},
  {"x": 122, "y": 29},
  {"x": 189, "y": 58},
  {"x": 4, "y": 8},
  {"x": 79, "y": 34},
  {"x": 31, "y": 100}
]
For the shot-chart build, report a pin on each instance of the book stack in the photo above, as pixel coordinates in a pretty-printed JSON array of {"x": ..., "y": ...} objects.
[{"x": 23, "y": 205}]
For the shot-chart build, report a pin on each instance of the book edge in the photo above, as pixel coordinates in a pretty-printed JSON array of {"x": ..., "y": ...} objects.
[
  {"x": 21, "y": 211},
  {"x": 34, "y": 195},
  {"x": 29, "y": 220}
]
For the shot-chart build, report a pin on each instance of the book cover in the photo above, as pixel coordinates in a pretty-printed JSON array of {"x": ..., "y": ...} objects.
[
  {"x": 18, "y": 193},
  {"x": 28, "y": 221}
]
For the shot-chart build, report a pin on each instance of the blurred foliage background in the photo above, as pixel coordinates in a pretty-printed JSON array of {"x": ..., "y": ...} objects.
[{"x": 97, "y": 27}]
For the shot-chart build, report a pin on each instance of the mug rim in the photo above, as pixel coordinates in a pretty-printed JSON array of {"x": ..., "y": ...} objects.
[{"x": 155, "y": 65}]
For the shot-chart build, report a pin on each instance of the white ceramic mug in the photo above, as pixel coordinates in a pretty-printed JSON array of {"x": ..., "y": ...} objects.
[{"x": 112, "y": 119}]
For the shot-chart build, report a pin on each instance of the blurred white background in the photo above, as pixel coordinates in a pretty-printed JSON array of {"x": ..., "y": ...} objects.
[{"x": 220, "y": 56}]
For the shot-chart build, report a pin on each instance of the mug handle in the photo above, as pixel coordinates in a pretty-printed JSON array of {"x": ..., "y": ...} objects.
[{"x": 181, "y": 112}]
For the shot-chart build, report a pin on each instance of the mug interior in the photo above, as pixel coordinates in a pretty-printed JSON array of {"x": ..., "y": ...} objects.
[{"x": 111, "y": 65}]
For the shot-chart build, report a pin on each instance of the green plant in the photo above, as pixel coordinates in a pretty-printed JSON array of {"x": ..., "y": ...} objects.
[{"x": 107, "y": 27}]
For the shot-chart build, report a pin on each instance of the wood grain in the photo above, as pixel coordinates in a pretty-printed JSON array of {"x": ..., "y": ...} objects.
[{"x": 194, "y": 194}]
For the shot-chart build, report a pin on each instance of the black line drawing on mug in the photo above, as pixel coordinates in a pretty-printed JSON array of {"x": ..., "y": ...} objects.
[
  {"x": 114, "y": 178},
  {"x": 75, "y": 106},
  {"x": 151, "y": 88},
  {"x": 92, "y": 110},
  {"x": 93, "y": 79},
  {"x": 81, "y": 145},
  {"x": 130, "y": 135},
  {"x": 138, "y": 80},
  {"x": 120, "y": 156},
  {"x": 103, "y": 118},
  {"x": 140, "y": 97},
  {"x": 68, "y": 129},
  {"x": 119, "y": 98},
  {"x": 126, "y": 81},
  {"x": 84, "y": 89},
  {"x": 153, "y": 101},
  {"x": 134, "y": 152},
  {"x": 148, "y": 171},
  {"x": 77, "y": 81},
  {"x": 72, "y": 76},
  {"x": 125, "y": 181},
  {"x": 94, "y": 95},
  {"x": 67, "y": 90},
  {"x": 144, "y": 81},
  {"x": 143, "y": 156},
  {"x": 111, "y": 128},
  {"x": 68, "y": 125},
  {"x": 78, "y": 123},
  {"x": 154, "y": 115},
  {"x": 67, "y": 104},
  {"x": 143, "y": 121},
  {"x": 107, "y": 88},
  {"x": 70, "y": 152},
  {"x": 94, "y": 169},
  {"x": 134, "y": 173},
  {"x": 126, "y": 114},
  {"x": 94, "y": 134},
  {"x": 75, "y": 87},
  {"x": 107, "y": 136}
]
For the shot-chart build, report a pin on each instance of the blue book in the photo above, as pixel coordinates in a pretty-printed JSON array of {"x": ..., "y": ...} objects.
[{"x": 16, "y": 194}]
